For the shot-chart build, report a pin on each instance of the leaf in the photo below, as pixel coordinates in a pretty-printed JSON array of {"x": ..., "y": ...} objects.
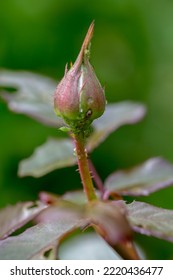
[
  {"x": 150, "y": 220},
  {"x": 33, "y": 95},
  {"x": 61, "y": 209},
  {"x": 37, "y": 240},
  {"x": 77, "y": 197},
  {"x": 54, "y": 154},
  {"x": 87, "y": 246},
  {"x": 150, "y": 176},
  {"x": 110, "y": 221},
  {"x": 14, "y": 217},
  {"x": 116, "y": 115}
]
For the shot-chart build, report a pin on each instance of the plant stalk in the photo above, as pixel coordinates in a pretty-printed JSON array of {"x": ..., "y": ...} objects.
[
  {"x": 127, "y": 251},
  {"x": 97, "y": 180},
  {"x": 83, "y": 165}
]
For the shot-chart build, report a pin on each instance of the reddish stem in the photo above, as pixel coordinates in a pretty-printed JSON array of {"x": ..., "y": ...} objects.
[
  {"x": 96, "y": 177},
  {"x": 84, "y": 167}
]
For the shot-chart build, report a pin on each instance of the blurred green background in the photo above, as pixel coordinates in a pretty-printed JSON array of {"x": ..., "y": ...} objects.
[{"x": 132, "y": 53}]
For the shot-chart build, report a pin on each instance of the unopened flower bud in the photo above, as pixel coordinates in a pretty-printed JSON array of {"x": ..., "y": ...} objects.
[{"x": 79, "y": 97}]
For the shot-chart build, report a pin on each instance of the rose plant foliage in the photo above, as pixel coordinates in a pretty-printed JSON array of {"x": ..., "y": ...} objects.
[{"x": 79, "y": 104}]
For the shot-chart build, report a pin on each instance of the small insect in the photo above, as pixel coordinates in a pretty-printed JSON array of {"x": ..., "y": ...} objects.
[{"x": 88, "y": 113}]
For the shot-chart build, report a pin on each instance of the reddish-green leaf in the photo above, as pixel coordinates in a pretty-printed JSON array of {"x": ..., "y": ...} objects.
[
  {"x": 61, "y": 209},
  {"x": 152, "y": 175},
  {"x": 15, "y": 216},
  {"x": 37, "y": 240},
  {"x": 115, "y": 115},
  {"x": 54, "y": 154},
  {"x": 151, "y": 220},
  {"x": 33, "y": 95},
  {"x": 77, "y": 197}
]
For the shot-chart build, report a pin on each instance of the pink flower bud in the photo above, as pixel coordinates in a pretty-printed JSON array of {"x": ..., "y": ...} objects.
[{"x": 79, "y": 97}]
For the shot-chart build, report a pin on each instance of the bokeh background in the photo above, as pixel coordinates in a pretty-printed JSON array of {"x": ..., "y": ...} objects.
[{"x": 132, "y": 53}]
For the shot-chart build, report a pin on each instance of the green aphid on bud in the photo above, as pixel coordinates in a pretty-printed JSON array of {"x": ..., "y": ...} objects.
[
  {"x": 65, "y": 129},
  {"x": 79, "y": 98}
]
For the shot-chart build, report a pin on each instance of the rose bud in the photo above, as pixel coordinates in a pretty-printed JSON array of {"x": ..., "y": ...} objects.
[{"x": 79, "y": 97}]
